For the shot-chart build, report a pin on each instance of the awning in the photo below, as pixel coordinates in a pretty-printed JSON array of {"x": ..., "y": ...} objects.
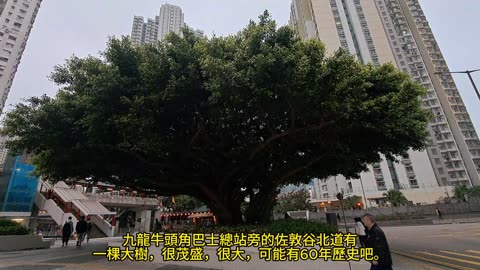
[
  {"x": 92, "y": 208},
  {"x": 69, "y": 194},
  {"x": 199, "y": 215}
]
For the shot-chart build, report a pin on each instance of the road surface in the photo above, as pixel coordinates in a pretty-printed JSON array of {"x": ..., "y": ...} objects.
[{"x": 456, "y": 246}]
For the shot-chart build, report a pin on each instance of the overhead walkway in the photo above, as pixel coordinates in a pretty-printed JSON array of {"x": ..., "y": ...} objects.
[{"x": 62, "y": 202}]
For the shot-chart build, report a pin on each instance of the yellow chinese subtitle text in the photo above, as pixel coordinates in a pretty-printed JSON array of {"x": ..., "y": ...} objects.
[{"x": 237, "y": 246}]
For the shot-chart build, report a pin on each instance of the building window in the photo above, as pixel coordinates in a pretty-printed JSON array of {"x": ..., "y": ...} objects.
[
  {"x": 12, "y": 38},
  {"x": 381, "y": 186},
  {"x": 3, "y": 59},
  {"x": 413, "y": 183}
]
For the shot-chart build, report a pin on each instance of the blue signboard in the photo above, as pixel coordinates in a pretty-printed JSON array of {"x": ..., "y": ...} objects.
[{"x": 21, "y": 188}]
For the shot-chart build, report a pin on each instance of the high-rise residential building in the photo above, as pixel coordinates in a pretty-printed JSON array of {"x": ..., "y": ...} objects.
[
  {"x": 170, "y": 19},
  {"x": 151, "y": 30},
  {"x": 3, "y": 152},
  {"x": 301, "y": 19},
  {"x": 16, "y": 21},
  {"x": 138, "y": 30},
  {"x": 397, "y": 32}
]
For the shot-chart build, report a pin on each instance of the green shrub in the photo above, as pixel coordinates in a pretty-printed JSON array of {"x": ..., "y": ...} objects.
[
  {"x": 8, "y": 227},
  {"x": 7, "y": 222}
]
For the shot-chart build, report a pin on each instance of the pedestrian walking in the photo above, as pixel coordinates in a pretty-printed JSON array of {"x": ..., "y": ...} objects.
[
  {"x": 72, "y": 228},
  {"x": 81, "y": 229},
  {"x": 375, "y": 239},
  {"x": 66, "y": 233},
  {"x": 360, "y": 231},
  {"x": 89, "y": 228},
  {"x": 439, "y": 213}
]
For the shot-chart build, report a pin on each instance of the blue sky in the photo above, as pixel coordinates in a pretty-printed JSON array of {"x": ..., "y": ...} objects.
[{"x": 66, "y": 27}]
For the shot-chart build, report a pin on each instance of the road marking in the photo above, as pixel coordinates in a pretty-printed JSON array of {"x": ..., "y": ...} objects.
[
  {"x": 453, "y": 235},
  {"x": 420, "y": 258},
  {"x": 450, "y": 258},
  {"x": 473, "y": 251},
  {"x": 460, "y": 254}
]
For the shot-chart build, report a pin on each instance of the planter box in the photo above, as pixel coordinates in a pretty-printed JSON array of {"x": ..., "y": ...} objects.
[{"x": 23, "y": 242}]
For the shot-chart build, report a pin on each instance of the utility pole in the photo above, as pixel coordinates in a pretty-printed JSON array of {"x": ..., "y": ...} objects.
[
  {"x": 468, "y": 72},
  {"x": 363, "y": 191}
]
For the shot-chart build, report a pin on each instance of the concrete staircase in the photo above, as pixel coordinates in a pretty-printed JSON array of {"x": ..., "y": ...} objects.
[{"x": 96, "y": 232}]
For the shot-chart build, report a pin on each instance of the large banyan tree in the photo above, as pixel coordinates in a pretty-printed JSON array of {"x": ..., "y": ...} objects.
[{"x": 221, "y": 118}]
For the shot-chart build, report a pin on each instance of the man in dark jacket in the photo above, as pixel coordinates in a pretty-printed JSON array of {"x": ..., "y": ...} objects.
[
  {"x": 66, "y": 233},
  {"x": 81, "y": 229},
  {"x": 376, "y": 239}
]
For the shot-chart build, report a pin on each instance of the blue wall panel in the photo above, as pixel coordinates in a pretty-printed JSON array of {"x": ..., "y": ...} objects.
[{"x": 21, "y": 189}]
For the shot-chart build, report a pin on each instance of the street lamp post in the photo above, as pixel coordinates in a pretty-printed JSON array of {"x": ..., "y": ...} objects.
[
  {"x": 363, "y": 191},
  {"x": 468, "y": 72}
]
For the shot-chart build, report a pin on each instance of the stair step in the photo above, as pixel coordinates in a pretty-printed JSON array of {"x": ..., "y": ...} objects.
[{"x": 96, "y": 232}]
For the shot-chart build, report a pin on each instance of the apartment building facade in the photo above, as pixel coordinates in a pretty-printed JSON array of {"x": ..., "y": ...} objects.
[
  {"x": 396, "y": 31},
  {"x": 170, "y": 19},
  {"x": 16, "y": 21}
]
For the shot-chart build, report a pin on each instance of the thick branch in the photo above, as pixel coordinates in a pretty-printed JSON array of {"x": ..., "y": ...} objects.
[
  {"x": 287, "y": 133},
  {"x": 137, "y": 156},
  {"x": 299, "y": 169}
]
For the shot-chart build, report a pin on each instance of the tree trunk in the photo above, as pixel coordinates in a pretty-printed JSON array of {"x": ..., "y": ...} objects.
[
  {"x": 228, "y": 214},
  {"x": 261, "y": 206},
  {"x": 226, "y": 209}
]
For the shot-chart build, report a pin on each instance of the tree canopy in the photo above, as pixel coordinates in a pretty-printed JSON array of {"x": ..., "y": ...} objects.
[
  {"x": 293, "y": 201},
  {"x": 351, "y": 202},
  {"x": 219, "y": 119},
  {"x": 462, "y": 193},
  {"x": 395, "y": 197}
]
